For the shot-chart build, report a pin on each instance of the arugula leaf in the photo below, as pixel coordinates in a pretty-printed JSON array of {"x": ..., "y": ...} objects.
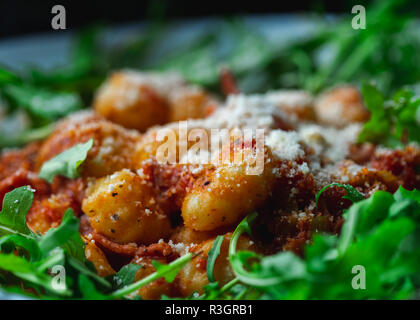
[
  {"x": 59, "y": 246},
  {"x": 42, "y": 102},
  {"x": 407, "y": 204},
  {"x": 402, "y": 194},
  {"x": 16, "y": 205},
  {"x": 213, "y": 254},
  {"x": 56, "y": 257},
  {"x": 7, "y": 77},
  {"x": 383, "y": 244},
  {"x": 126, "y": 275},
  {"x": 28, "y": 271},
  {"x": 85, "y": 71},
  {"x": 25, "y": 136},
  {"x": 17, "y": 240},
  {"x": 378, "y": 126},
  {"x": 362, "y": 216},
  {"x": 352, "y": 194},
  {"x": 83, "y": 267},
  {"x": 239, "y": 259},
  {"x": 169, "y": 272},
  {"x": 375, "y": 254},
  {"x": 43, "y": 97},
  {"x": 320, "y": 252},
  {"x": 374, "y": 100},
  {"x": 286, "y": 266},
  {"x": 197, "y": 64},
  {"x": 392, "y": 122},
  {"x": 66, "y": 235},
  {"x": 89, "y": 290},
  {"x": 75, "y": 247},
  {"x": 66, "y": 163},
  {"x": 250, "y": 50}
]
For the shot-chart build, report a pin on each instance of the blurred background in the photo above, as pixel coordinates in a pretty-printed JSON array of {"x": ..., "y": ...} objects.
[
  {"x": 46, "y": 74},
  {"x": 22, "y": 17}
]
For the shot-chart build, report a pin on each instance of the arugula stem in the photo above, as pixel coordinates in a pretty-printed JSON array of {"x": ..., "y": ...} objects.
[
  {"x": 241, "y": 294},
  {"x": 150, "y": 278},
  {"x": 51, "y": 261},
  {"x": 5, "y": 230},
  {"x": 229, "y": 285},
  {"x": 241, "y": 273},
  {"x": 37, "y": 134}
]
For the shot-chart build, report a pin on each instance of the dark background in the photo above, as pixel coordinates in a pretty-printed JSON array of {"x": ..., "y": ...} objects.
[{"x": 19, "y": 17}]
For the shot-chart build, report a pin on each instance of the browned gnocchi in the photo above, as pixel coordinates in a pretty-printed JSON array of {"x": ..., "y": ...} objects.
[
  {"x": 112, "y": 147},
  {"x": 122, "y": 207},
  {"x": 155, "y": 289},
  {"x": 193, "y": 277},
  {"x": 341, "y": 106},
  {"x": 141, "y": 100},
  {"x": 130, "y": 101},
  {"x": 225, "y": 195},
  {"x": 98, "y": 258}
]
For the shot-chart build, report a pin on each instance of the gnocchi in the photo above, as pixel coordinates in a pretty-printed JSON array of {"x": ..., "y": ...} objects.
[
  {"x": 122, "y": 207},
  {"x": 225, "y": 195},
  {"x": 193, "y": 277},
  {"x": 111, "y": 150},
  {"x": 341, "y": 106},
  {"x": 130, "y": 102}
]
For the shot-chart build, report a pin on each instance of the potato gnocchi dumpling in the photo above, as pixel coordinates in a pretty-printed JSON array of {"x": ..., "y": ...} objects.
[
  {"x": 294, "y": 103},
  {"x": 190, "y": 102},
  {"x": 130, "y": 102},
  {"x": 123, "y": 208},
  {"x": 111, "y": 151},
  {"x": 141, "y": 100},
  {"x": 225, "y": 195},
  {"x": 193, "y": 277},
  {"x": 189, "y": 236},
  {"x": 98, "y": 258},
  {"x": 341, "y": 106},
  {"x": 155, "y": 289}
]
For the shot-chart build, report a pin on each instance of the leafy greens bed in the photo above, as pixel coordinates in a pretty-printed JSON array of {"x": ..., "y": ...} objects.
[{"x": 380, "y": 234}]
